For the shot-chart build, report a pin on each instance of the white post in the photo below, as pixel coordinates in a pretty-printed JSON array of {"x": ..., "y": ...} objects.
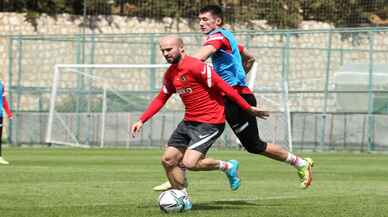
[
  {"x": 252, "y": 77},
  {"x": 289, "y": 131},
  {"x": 52, "y": 104},
  {"x": 103, "y": 113},
  {"x": 129, "y": 128}
]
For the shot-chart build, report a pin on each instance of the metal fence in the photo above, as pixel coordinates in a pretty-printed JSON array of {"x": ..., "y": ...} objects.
[
  {"x": 337, "y": 80},
  {"x": 280, "y": 13}
]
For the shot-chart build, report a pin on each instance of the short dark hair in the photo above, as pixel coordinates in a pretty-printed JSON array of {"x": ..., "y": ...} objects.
[{"x": 215, "y": 10}]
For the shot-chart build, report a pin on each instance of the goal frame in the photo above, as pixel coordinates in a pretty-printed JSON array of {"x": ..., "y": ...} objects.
[
  {"x": 251, "y": 80},
  {"x": 54, "y": 90}
]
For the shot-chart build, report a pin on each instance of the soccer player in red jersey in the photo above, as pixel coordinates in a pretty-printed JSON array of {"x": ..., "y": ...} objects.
[
  {"x": 199, "y": 88},
  {"x": 3, "y": 104},
  {"x": 231, "y": 61}
]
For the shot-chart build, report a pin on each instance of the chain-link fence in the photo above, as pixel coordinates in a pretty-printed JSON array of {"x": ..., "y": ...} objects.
[
  {"x": 337, "y": 80},
  {"x": 279, "y": 13}
]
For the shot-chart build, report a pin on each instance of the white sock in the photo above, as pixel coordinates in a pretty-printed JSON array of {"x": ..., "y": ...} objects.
[
  {"x": 295, "y": 161},
  {"x": 224, "y": 165},
  {"x": 185, "y": 190}
]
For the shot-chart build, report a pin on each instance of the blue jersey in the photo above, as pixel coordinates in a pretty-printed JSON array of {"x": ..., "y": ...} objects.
[
  {"x": 228, "y": 64},
  {"x": 1, "y": 98}
]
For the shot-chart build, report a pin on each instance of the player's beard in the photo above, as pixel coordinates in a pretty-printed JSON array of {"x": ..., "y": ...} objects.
[{"x": 176, "y": 59}]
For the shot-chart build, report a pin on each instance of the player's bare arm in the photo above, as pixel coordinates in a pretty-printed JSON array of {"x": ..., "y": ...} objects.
[
  {"x": 247, "y": 60},
  {"x": 205, "y": 52},
  {"x": 136, "y": 127}
]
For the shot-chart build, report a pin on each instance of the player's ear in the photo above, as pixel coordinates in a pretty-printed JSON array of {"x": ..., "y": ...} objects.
[
  {"x": 219, "y": 21},
  {"x": 181, "y": 49}
]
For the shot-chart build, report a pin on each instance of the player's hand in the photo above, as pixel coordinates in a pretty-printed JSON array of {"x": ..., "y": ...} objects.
[
  {"x": 10, "y": 117},
  {"x": 258, "y": 113},
  {"x": 135, "y": 129}
]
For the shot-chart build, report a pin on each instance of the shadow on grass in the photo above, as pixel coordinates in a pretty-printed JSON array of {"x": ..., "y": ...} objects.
[{"x": 224, "y": 204}]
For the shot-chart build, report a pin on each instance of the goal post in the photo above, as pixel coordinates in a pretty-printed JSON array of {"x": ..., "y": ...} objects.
[
  {"x": 93, "y": 105},
  {"x": 87, "y": 98}
]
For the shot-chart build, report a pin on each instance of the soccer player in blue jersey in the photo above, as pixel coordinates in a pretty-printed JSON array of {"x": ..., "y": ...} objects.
[
  {"x": 3, "y": 104},
  {"x": 231, "y": 62}
]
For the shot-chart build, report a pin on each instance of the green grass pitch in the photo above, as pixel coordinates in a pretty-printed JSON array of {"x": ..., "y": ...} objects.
[{"x": 43, "y": 182}]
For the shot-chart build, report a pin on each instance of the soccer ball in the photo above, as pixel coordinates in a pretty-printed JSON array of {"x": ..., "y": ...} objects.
[{"x": 174, "y": 200}]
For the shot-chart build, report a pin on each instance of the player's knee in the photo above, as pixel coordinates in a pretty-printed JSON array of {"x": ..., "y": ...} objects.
[
  {"x": 168, "y": 161},
  {"x": 189, "y": 164},
  {"x": 259, "y": 148}
]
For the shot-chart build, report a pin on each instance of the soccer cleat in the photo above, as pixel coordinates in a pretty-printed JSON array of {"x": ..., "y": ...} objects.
[
  {"x": 305, "y": 173},
  {"x": 166, "y": 186},
  {"x": 233, "y": 175},
  {"x": 2, "y": 161},
  {"x": 163, "y": 187},
  {"x": 187, "y": 204}
]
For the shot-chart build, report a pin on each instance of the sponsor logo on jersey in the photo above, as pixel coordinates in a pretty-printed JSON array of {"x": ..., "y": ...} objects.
[
  {"x": 184, "y": 90},
  {"x": 165, "y": 90},
  {"x": 216, "y": 36}
]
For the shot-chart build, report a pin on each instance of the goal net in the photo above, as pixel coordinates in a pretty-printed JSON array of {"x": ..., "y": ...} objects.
[{"x": 94, "y": 105}]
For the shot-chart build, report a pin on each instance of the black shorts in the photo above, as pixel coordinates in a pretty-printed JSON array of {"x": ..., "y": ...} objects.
[
  {"x": 196, "y": 136},
  {"x": 244, "y": 125},
  {"x": 1, "y": 131}
]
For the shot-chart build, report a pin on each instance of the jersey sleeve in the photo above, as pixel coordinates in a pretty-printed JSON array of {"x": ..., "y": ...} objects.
[
  {"x": 158, "y": 102},
  {"x": 217, "y": 40},
  {"x": 214, "y": 81},
  {"x": 6, "y": 107},
  {"x": 240, "y": 48}
]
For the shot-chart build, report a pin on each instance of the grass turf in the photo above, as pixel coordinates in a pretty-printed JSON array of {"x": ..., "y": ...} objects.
[{"x": 118, "y": 182}]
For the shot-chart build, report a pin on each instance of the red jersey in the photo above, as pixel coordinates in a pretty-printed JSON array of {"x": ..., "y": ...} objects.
[
  {"x": 219, "y": 41},
  {"x": 4, "y": 103},
  {"x": 200, "y": 89}
]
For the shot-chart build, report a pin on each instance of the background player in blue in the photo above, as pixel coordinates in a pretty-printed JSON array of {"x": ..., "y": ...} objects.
[
  {"x": 231, "y": 62},
  {"x": 3, "y": 104}
]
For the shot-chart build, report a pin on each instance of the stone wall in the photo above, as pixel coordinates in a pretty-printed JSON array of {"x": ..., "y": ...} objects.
[{"x": 307, "y": 51}]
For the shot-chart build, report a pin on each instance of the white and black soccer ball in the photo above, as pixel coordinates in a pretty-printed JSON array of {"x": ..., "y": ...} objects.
[{"x": 174, "y": 200}]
